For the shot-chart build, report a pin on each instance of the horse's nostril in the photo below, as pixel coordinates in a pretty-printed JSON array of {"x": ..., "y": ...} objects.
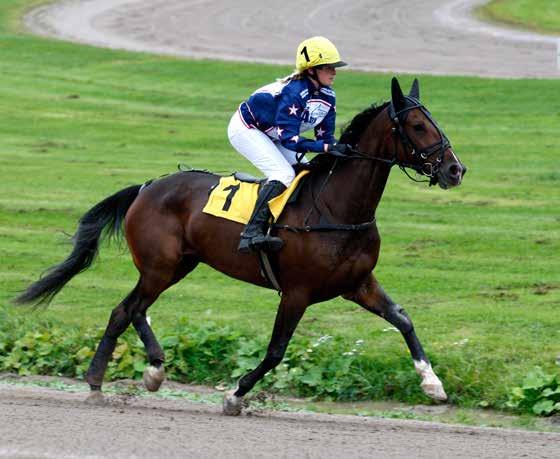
[{"x": 454, "y": 170}]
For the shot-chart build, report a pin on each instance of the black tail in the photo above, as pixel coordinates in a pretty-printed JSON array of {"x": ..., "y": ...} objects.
[{"x": 103, "y": 220}]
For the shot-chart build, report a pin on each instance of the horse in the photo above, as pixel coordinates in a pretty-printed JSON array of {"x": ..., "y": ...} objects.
[{"x": 331, "y": 240}]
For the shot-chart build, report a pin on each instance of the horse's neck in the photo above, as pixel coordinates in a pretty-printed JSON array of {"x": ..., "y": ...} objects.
[{"x": 357, "y": 185}]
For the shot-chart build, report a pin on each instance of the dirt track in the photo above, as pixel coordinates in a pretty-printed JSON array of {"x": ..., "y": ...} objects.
[
  {"x": 45, "y": 423},
  {"x": 432, "y": 36}
]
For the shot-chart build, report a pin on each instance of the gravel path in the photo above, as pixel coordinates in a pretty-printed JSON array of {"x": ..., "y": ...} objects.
[
  {"x": 45, "y": 423},
  {"x": 403, "y": 36}
]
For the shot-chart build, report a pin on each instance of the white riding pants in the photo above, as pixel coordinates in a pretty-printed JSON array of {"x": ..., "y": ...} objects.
[{"x": 266, "y": 154}]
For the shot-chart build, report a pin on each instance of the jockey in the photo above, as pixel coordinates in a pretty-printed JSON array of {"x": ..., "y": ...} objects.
[{"x": 267, "y": 126}]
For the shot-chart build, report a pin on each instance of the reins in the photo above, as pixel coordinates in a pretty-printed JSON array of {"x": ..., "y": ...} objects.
[
  {"x": 398, "y": 133},
  {"x": 397, "y": 118},
  {"x": 306, "y": 228}
]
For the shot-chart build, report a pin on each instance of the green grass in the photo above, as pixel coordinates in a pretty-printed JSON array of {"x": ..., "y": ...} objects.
[
  {"x": 538, "y": 15},
  {"x": 476, "y": 267}
]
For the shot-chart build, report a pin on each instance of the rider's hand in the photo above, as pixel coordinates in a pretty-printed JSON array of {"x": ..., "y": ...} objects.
[{"x": 340, "y": 148}]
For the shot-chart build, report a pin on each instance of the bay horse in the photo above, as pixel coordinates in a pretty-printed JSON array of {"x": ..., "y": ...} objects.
[{"x": 168, "y": 235}]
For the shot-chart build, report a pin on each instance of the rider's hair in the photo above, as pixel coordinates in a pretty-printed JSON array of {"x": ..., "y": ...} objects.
[{"x": 295, "y": 75}]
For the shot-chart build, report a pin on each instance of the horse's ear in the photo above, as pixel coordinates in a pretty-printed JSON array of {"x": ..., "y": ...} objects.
[
  {"x": 415, "y": 89},
  {"x": 397, "y": 96}
]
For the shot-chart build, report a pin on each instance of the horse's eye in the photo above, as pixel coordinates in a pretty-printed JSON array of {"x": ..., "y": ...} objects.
[{"x": 419, "y": 128}]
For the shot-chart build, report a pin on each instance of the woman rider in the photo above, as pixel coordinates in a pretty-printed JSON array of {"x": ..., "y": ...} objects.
[{"x": 267, "y": 126}]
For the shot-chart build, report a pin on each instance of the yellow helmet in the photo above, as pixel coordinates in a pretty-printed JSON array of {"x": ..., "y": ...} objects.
[{"x": 317, "y": 51}]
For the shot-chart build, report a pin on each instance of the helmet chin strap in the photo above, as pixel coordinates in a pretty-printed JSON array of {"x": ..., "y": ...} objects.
[{"x": 312, "y": 74}]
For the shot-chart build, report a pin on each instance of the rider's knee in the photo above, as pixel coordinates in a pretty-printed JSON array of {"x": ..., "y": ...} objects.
[{"x": 286, "y": 176}]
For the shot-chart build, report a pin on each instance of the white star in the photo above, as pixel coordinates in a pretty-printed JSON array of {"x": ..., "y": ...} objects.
[
  {"x": 293, "y": 109},
  {"x": 295, "y": 138},
  {"x": 279, "y": 131},
  {"x": 320, "y": 132}
]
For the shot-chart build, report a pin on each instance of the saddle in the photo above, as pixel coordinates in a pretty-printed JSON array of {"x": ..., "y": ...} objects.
[
  {"x": 234, "y": 197},
  {"x": 248, "y": 178}
]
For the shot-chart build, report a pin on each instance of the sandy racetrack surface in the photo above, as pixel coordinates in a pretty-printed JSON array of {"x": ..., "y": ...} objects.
[
  {"x": 45, "y": 423},
  {"x": 432, "y": 36}
]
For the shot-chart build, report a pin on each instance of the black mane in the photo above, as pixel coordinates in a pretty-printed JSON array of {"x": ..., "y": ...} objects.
[
  {"x": 351, "y": 134},
  {"x": 352, "y": 131}
]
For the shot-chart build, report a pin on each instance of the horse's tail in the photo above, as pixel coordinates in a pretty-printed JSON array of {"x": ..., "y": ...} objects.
[{"x": 103, "y": 220}]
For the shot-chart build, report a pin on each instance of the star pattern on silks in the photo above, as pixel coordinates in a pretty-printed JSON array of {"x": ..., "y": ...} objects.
[
  {"x": 320, "y": 132},
  {"x": 293, "y": 109},
  {"x": 279, "y": 131},
  {"x": 295, "y": 138}
]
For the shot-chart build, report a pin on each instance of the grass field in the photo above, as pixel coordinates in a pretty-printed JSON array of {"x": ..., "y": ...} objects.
[
  {"x": 538, "y": 15},
  {"x": 476, "y": 267}
]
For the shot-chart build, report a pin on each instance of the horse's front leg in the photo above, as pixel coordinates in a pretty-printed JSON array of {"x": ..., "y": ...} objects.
[
  {"x": 290, "y": 311},
  {"x": 371, "y": 296}
]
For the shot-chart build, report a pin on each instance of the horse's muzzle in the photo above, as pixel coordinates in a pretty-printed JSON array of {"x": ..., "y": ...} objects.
[{"x": 451, "y": 174}]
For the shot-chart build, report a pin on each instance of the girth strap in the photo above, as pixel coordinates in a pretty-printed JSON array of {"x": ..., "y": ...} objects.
[{"x": 326, "y": 227}]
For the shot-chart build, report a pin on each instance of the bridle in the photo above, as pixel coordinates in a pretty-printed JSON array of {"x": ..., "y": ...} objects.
[{"x": 398, "y": 119}]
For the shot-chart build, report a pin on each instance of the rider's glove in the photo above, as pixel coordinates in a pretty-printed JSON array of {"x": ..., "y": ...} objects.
[{"x": 340, "y": 148}]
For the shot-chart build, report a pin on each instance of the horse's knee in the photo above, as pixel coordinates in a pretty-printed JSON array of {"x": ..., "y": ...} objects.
[{"x": 398, "y": 317}]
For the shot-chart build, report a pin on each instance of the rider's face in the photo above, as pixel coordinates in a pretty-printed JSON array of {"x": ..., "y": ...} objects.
[{"x": 326, "y": 74}]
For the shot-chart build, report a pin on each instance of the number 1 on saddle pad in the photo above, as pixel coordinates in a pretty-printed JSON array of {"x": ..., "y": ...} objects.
[{"x": 234, "y": 200}]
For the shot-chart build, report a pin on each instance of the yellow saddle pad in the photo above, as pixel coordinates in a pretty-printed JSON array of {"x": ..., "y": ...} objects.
[{"x": 234, "y": 200}]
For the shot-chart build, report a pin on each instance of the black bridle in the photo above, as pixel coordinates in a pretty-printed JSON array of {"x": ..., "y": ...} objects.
[{"x": 398, "y": 119}]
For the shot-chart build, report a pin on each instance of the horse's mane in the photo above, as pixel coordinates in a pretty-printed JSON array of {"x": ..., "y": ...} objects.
[{"x": 351, "y": 132}]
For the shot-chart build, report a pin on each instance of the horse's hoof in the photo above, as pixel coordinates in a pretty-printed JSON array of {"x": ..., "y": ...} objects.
[
  {"x": 232, "y": 404},
  {"x": 431, "y": 385},
  {"x": 434, "y": 391},
  {"x": 153, "y": 377},
  {"x": 96, "y": 398}
]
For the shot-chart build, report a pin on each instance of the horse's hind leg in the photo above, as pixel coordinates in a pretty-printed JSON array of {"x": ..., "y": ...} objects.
[
  {"x": 371, "y": 296},
  {"x": 132, "y": 308},
  {"x": 290, "y": 311},
  {"x": 118, "y": 322},
  {"x": 154, "y": 374}
]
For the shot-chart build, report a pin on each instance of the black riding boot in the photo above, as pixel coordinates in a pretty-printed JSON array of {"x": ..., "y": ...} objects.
[{"x": 253, "y": 237}]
